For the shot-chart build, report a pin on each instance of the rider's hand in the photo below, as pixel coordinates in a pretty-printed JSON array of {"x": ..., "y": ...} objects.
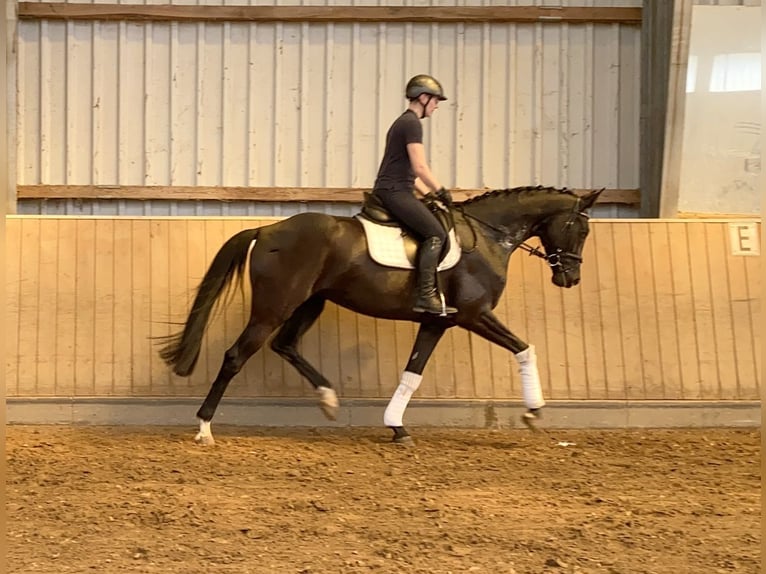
[{"x": 444, "y": 196}]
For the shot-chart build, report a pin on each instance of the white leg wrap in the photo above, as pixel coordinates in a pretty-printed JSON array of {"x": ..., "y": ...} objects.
[
  {"x": 328, "y": 402},
  {"x": 328, "y": 397},
  {"x": 205, "y": 435},
  {"x": 530, "y": 378},
  {"x": 395, "y": 410}
]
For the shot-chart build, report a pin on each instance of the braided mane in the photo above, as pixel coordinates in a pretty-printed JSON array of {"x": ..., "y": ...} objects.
[{"x": 525, "y": 190}]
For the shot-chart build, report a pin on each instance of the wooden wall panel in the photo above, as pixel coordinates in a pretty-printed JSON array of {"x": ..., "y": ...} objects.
[
  {"x": 669, "y": 360},
  {"x": 367, "y": 348},
  {"x": 122, "y": 269},
  {"x": 552, "y": 311},
  {"x": 628, "y": 311},
  {"x": 594, "y": 377},
  {"x": 388, "y": 368},
  {"x": 720, "y": 297},
  {"x": 610, "y": 317},
  {"x": 104, "y": 303},
  {"x": 84, "y": 309},
  {"x": 753, "y": 267},
  {"x": 664, "y": 311},
  {"x": 13, "y": 289},
  {"x": 66, "y": 305},
  {"x": 685, "y": 333},
  {"x": 47, "y": 308},
  {"x": 646, "y": 297},
  {"x": 143, "y": 355},
  {"x": 707, "y": 382},
  {"x": 29, "y": 307}
]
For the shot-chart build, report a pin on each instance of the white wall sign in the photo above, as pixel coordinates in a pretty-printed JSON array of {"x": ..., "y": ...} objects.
[{"x": 744, "y": 238}]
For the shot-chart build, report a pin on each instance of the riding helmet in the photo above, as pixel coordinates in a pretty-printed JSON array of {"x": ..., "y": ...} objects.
[{"x": 424, "y": 84}]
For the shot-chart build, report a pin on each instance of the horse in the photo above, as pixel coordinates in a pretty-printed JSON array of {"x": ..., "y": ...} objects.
[{"x": 299, "y": 263}]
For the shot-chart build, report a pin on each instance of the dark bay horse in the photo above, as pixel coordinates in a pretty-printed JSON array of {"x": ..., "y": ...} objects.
[{"x": 299, "y": 263}]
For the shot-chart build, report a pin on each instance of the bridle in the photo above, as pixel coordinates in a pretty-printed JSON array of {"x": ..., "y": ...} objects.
[{"x": 555, "y": 259}]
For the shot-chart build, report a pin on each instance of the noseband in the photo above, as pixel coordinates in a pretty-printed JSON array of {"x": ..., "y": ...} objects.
[{"x": 553, "y": 259}]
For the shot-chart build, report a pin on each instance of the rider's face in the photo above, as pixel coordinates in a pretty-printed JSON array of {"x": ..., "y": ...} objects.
[{"x": 431, "y": 106}]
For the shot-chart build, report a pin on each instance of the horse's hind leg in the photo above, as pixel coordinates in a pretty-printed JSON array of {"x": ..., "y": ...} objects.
[
  {"x": 252, "y": 338},
  {"x": 285, "y": 344},
  {"x": 428, "y": 336}
]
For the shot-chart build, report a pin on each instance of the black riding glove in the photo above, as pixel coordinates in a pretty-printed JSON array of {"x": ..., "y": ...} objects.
[{"x": 444, "y": 196}]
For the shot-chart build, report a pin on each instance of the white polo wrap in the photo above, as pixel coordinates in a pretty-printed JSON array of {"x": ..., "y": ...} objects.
[
  {"x": 408, "y": 384},
  {"x": 530, "y": 378}
]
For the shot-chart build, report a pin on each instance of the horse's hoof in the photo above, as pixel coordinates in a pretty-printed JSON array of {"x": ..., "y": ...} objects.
[
  {"x": 403, "y": 441},
  {"x": 204, "y": 440},
  {"x": 402, "y": 437},
  {"x": 530, "y": 420},
  {"x": 330, "y": 412}
]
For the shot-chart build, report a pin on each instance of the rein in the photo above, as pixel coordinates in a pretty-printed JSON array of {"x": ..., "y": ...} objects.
[{"x": 553, "y": 259}]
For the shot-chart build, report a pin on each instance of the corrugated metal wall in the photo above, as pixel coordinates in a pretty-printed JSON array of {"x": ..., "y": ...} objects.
[
  {"x": 664, "y": 311},
  {"x": 226, "y": 208},
  {"x": 727, "y": 2},
  {"x": 285, "y": 104}
]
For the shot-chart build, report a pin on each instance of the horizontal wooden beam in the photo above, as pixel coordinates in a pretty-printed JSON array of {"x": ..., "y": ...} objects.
[
  {"x": 425, "y": 14},
  {"x": 268, "y": 194}
]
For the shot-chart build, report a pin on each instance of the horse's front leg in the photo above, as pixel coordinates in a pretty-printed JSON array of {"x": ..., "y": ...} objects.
[
  {"x": 489, "y": 327},
  {"x": 425, "y": 343}
]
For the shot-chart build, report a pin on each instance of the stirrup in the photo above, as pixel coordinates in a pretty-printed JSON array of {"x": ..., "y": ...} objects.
[{"x": 431, "y": 306}]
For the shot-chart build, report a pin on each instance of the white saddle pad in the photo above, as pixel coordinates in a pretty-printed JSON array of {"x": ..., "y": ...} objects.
[{"x": 386, "y": 246}]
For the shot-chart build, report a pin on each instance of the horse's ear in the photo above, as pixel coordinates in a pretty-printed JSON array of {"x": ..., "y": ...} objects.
[{"x": 587, "y": 200}]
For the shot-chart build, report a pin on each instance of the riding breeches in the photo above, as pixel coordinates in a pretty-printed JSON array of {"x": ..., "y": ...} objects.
[{"x": 412, "y": 213}]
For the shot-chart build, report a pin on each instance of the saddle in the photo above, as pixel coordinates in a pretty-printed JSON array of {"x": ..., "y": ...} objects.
[{"x": 392, "y": 245}]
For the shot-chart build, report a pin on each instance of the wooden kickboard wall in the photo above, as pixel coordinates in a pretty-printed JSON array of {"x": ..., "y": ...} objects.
[{"x": 664, "y": 311}]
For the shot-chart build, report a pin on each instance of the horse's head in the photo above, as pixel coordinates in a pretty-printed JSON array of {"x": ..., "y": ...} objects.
[
  {"x": 557, "y": 216},
  {"x": 563, "y": 235}
]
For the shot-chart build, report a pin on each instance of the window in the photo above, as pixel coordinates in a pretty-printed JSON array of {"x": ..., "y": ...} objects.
[{"x": 735, "y": 73}]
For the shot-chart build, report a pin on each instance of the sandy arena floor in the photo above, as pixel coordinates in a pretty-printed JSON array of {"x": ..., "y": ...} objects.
[{"x": 147, "y": 499}]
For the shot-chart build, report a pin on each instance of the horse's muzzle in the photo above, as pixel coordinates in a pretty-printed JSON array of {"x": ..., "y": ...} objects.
[
  {"x": 566, "y": 278},
  {"x": 565, "y": 267}
]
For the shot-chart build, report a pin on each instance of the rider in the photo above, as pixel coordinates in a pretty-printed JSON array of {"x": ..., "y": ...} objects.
[{"x": 404, "y": 168}]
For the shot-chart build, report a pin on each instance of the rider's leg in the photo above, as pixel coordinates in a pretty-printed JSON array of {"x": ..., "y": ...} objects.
[
  {"x": 429, "y": 299},
  {"x": 414, "y": 215}
]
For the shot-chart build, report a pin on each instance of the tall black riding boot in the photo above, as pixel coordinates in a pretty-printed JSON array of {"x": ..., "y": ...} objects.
[{"x": 429, "y": 300}]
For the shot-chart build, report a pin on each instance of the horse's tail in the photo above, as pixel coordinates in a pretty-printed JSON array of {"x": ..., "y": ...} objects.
[{"x": 182, "y": 350}]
